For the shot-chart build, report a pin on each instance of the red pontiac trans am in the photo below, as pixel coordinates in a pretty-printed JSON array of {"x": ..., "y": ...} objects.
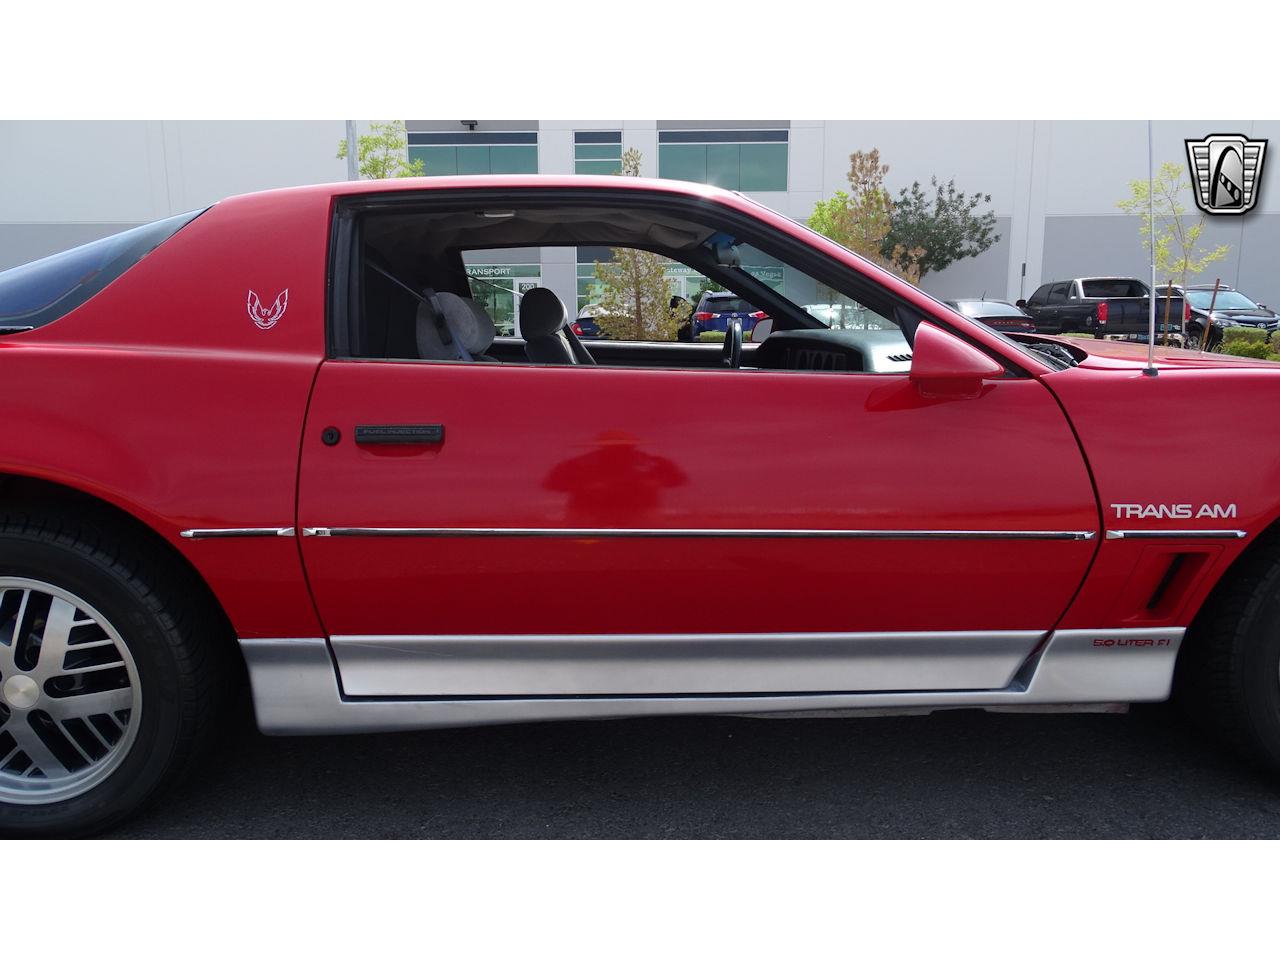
[{"x": 278, "y": 443}]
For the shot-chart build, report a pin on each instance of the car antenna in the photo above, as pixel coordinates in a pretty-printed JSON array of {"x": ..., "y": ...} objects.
[{"x": 1151, "y": 370}]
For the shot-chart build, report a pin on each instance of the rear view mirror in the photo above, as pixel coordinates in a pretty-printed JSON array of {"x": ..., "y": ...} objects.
[
  {"x": 725, "y": 251},
  {"x": 943, "y": 365}
]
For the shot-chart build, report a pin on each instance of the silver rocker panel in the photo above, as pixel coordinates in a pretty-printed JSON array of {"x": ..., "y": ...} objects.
[
  {"x": 296, "y": 689},
  {"x": 682, "y": 663}
]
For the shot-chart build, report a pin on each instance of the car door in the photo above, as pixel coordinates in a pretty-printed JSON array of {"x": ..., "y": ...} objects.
[
  {"x": 620, "y": 531},
  {"x": 1053, "y": 313}
]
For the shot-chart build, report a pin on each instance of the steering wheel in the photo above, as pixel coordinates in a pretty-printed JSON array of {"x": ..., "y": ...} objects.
[{"x": 731, "y": 354}]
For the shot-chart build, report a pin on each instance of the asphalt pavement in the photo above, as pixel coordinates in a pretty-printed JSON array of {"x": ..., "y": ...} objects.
[{"x": 956, "y": 774}]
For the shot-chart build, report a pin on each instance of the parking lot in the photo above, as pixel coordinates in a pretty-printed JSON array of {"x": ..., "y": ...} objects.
[{"x": 949, "y": 775}]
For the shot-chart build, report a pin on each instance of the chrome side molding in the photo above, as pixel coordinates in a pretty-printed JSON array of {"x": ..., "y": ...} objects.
[
  {"x": 296, "y": 689},
  {"x": 595, "y": 533},
  {"x": 219, "y": 533},
  {"x": 1176, "y": 534}
]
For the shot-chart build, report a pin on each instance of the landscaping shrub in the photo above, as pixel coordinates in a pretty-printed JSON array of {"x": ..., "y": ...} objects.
[{"x": 1246, "y": 334}]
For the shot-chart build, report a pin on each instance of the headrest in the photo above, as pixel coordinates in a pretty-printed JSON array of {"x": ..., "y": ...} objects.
[
  {"x": 464, "y": 321},
  {"x": 542, "y": 314}
]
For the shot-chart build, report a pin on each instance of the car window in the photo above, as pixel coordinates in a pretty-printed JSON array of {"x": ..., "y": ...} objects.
[
  {"x": 1041, "y": 295},
  {"x": 721, "y": 304},
  {"x": 40, "y": 292},
  {"x": 442, "y": 284},
  {"x": 1058, "y": 293},
  {"x": 702, "y": 314},
  {"x": 1106, "y": 289}
]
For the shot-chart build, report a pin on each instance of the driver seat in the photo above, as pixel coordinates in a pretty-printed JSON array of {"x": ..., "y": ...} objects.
[{"x": 548, "y": 338}]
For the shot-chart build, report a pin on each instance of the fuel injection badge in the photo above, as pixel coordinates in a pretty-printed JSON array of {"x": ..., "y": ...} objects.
[{"x": 1173, "y": 511}]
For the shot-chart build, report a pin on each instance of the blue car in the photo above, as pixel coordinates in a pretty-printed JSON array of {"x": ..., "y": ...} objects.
[
  {"x": 717, "y": 308},
  {"x": 585, "y": 326}
]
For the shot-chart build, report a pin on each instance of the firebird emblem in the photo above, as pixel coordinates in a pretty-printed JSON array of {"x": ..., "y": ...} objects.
[{"x": 266, "y": 318}]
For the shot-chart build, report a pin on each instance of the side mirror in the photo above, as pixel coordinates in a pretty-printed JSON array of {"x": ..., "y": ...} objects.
[
  {"x": 943, "y": 365},
  {"x": 1020, "y": 304},
  {"x": 761, "y": 330}
]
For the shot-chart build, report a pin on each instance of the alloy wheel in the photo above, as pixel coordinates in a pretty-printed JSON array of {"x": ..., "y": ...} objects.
[{"x": 70, "y": 698}]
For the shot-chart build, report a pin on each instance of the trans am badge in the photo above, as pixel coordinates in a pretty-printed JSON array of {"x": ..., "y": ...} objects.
[
  {"x": 1226, "y": 171},
  {"x": 267, "y": 317}
]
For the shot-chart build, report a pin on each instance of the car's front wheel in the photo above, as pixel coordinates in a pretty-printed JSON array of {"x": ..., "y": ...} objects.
[
  {"x": 108, "y": 675},
  {"x": 1229, "y": 674}
]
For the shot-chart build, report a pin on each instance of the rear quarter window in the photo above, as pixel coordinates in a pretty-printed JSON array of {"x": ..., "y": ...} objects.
[{"x": 40, "y": 292}]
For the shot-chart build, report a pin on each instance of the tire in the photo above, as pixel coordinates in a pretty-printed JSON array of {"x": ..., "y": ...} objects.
[
  {"x": 119, "y": 719},
  {"x": 1229, "y": 677}
]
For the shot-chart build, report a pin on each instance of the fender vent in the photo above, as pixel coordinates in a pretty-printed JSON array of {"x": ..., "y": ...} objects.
[
  {"x": 1162, "y": 581},
  {"x": 899, "y": 357}
]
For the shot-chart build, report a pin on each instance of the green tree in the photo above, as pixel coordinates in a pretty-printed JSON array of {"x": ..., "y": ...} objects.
[
  {"x": 945, "y": 227},
  {"x": 383, "y": 153},
  {"x": 862, "y": 217},
  {"x": 635, "y": 298},
  {"x": 1176, "y": 236}
]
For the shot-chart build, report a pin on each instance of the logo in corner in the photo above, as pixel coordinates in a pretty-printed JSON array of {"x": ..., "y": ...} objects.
[
  {"x": 1226, "y": 172},
  {"x": 266, "y": 317}
]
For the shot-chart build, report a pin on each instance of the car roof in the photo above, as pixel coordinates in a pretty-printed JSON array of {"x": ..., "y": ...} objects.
[{"x": 511, "y": 181}]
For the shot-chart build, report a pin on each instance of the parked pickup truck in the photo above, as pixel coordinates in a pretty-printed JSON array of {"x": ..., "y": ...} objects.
[{"x": 1102, "y": 306}]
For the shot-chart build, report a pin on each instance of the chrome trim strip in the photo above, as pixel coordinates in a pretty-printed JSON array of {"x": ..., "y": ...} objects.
[
  {"x": 658, "y": 664},
  {"x": 218, "y": 533},
  {"x": 594, "y": 533},
  {"x": 295, "y": 689},
  {"x": 1176, "y": 534}
]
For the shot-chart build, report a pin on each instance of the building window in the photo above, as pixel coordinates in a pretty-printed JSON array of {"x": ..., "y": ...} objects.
[
  {"x": 597, "y": 151},
  {"x": 498, "y": 288},
  {"x": 498, "y": 151},
  {"x": 733, "y": 159}
]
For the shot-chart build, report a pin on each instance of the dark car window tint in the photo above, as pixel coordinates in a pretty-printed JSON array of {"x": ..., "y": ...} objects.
[
  {"x": 1106, "y": 289},
  {"x": 1041, "y": 295},
  {"x": 1058, "y": 292},
  {"x": 40, "y": 292}
]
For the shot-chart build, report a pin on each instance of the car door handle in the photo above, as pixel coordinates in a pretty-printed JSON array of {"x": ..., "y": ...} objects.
[{"x": 401, "y": 433}]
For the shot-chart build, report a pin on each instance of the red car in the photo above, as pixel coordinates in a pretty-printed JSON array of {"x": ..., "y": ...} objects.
[{"x": 277, "y": 443}]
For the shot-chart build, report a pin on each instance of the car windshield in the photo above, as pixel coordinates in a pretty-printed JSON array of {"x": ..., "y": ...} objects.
[
  {"x": 988, "y": 308},
  {"x": 40, "y": 292},
  {"x": 1227, "y": 300}
]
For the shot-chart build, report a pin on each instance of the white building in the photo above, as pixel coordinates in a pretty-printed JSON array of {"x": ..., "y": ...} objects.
[{"x": 1053, "y": 185}]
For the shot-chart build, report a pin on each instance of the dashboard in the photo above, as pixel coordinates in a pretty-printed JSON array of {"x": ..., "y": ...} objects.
[{"x": 852, "y": 351}]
